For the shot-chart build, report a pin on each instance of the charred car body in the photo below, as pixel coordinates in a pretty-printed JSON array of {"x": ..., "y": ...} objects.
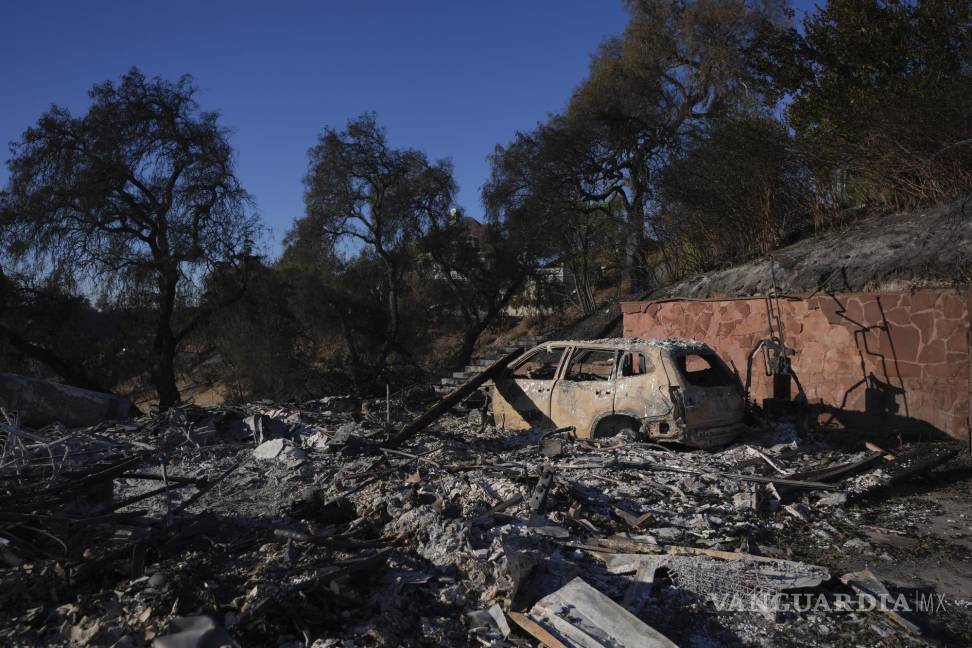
[{"x": 660, "y": 390}]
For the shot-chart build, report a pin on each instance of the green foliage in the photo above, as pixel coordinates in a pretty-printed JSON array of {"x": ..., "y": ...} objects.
[
  {"x": 544, "y": 191},
  {"x": 587, "y": 181},
  {"x": 257, "y": 338},
  {"x": 882, "y": 98},
  {"x": 379, "y": 200},
  {"x": 736, "y": 191},
  {"x": 47, "y": 329}
]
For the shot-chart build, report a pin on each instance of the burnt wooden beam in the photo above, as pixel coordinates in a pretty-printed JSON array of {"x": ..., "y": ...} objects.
[{"x": 452, "y": 399}]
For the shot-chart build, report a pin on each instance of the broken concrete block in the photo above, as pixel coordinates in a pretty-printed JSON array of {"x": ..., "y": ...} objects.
[
  {"x": 551, "y": 531},
  {"x": 265, "y": 428},
  {"x": 667, "y": 533},
  {"x": 348, "y": 441},
  {"x": 39, "y": 403},
  {"x": 578, "y": 613},
  {"x": 195, "y": 632},
  {"x": 799, "y": 510},
  {"x": 269, "y": 449},
  {"x": 280, "y": 449},
  {"x": 519, "y": 564},
  {"x": 745, "y": 500},
  {"x": 832, "y": 499},
  {"x": 344, "y": 434},
  {"x": 319, "y": 439},
  {"x": 499, "y": 619}
]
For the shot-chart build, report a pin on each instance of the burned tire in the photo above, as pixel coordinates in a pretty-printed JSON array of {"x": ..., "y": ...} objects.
[{"x": 617, "y": 426}]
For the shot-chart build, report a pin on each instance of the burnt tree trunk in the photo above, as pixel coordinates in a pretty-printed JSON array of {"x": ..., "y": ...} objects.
[
  {"x": 391, "y": 334},
  {"x": 165, "y": 341},
  {"x": 469, "y": 338},
  {"x": 635, "y": 231},
  {"x": 476, "y": 328}
]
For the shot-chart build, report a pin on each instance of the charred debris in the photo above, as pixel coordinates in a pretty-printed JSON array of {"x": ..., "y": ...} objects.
[{"x": 349, "y": 522}]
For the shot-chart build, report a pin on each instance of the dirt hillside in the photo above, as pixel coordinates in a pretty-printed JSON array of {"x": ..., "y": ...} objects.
[{"x": 905, "y": 251}]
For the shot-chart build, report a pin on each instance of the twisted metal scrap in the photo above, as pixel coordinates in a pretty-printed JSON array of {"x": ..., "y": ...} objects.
[{"x": 743, "y": 580}]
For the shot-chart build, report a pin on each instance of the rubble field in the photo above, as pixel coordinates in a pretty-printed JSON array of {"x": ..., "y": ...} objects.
[{"x": 300, "y": 525}]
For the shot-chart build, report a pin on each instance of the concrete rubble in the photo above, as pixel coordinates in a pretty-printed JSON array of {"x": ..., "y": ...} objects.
[
  {"x": 300, "y": 525},
  {"x": 40, "y": 402}
]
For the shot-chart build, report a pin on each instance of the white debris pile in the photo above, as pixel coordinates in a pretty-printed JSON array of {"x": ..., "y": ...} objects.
[{"x": 298, "y": 523}]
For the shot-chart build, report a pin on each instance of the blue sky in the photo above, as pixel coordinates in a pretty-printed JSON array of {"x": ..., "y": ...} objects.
[{"x": 452, "y": 78}]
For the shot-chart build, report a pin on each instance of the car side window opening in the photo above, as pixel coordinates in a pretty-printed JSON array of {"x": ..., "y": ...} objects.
[
  {"x": 635, "y": 364},
  {"x": 704, "y": 370},
  {"x": 542, "y": 365},
  {"x": 591, "y": 364}
]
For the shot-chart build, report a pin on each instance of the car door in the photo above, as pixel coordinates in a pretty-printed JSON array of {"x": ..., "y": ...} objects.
[
  {"x": 585, "y": 392},
  {"x": 641, "y": 388},
  {"x": 521, "y": 396}
]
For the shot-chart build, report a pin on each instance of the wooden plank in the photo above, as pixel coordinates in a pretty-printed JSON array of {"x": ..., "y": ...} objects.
[
  {"x": 832, "y": 473},
  {"x": 452, "y": 399},
  {"x": 499, "y": 508},
  {"x": 587, "y": 617},
  {"x": 715, "y": 553},
  {"x": 765, "y": 457},
  {"x": 873, "y": 447},
  {"x": 537, "y": 631},
  {"x": 865, "y": 582}
]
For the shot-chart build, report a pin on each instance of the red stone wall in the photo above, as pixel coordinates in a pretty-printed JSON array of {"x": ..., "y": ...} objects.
[{"x": 888, "y": 360}]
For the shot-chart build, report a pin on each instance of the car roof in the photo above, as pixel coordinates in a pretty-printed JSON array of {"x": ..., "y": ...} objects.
[{"x": 633, "y": 344}]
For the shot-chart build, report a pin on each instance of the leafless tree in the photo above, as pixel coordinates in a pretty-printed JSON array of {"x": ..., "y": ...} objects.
[{"x": 138, "y": 197}]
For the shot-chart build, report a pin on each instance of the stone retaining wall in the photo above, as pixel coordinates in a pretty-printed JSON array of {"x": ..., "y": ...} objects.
[{"x": 894, "y": 361}]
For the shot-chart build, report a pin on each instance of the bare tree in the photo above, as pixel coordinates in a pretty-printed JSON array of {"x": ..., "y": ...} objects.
[
  {"x": 366, "y": 195},
  {"x": 676, "y": 65},
  {"x": 481, "y": 268},
  {"x": 138, "y": 195},
  {"x": 541, "y": 188}
]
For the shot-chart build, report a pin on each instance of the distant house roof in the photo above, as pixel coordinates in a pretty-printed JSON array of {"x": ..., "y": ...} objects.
[{"x": 473, "y": 228}]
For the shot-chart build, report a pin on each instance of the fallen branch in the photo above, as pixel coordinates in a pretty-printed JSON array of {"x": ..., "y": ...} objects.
[
  {"x": 502, "y": 506},
  {"x": 208, "y": 487},
  {"x": 148, "y": 494},
  {"x": 795, "y": 483},
  {"x": 452, "y": 399}
]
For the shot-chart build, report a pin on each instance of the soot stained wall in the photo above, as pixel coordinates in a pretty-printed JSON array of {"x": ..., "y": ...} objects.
[{"x": 896, "y": 361}]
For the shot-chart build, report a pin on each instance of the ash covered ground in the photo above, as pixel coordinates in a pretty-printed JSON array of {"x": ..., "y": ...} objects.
[{"x": 293, "y": 526}]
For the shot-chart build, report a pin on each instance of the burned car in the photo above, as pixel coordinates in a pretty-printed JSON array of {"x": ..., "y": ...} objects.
[{"x": 659, "y": 390}]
